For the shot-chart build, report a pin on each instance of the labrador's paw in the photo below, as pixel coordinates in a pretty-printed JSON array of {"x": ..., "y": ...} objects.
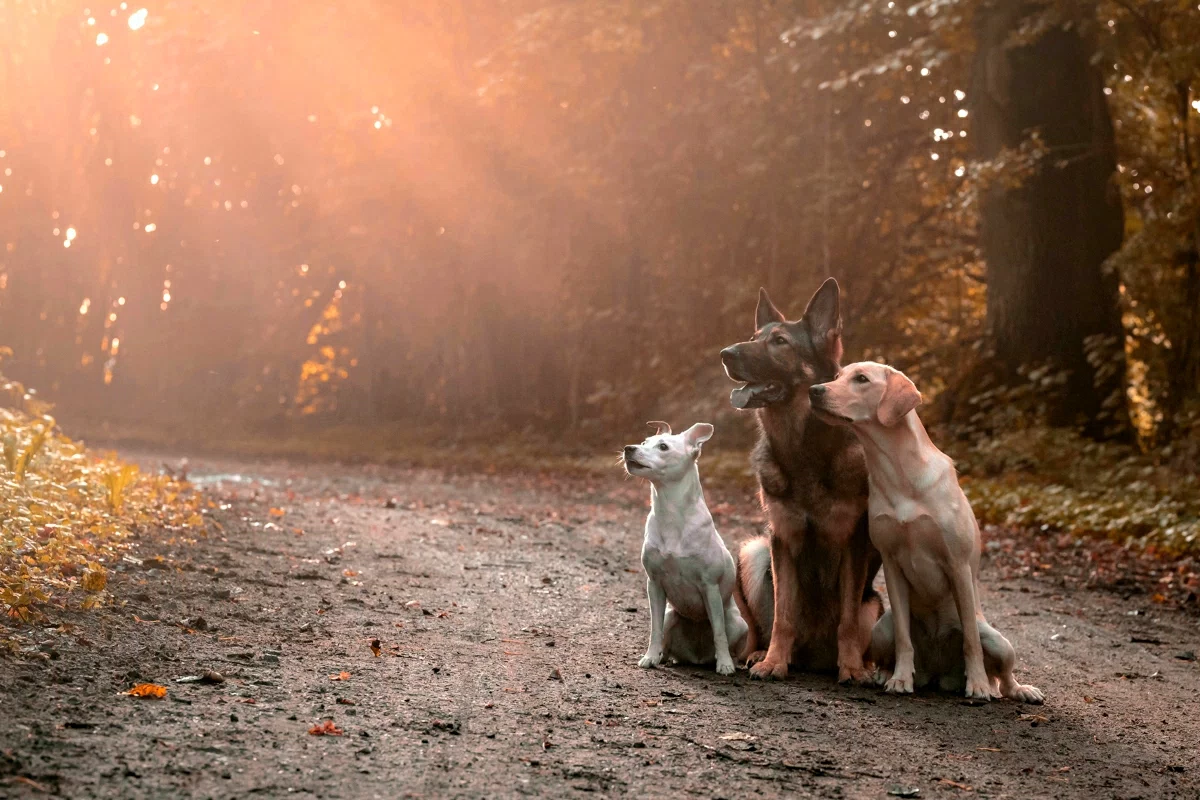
[
  {"x": 979, "y": 690},
  {"x": 1026, "y": 694}
]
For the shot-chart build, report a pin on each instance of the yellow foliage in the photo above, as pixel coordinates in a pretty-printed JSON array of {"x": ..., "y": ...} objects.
[{"x": 66, "y": 514}]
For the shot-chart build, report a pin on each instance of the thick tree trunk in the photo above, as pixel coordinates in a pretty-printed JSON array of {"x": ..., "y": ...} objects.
[{"x": 1045, "y": 241}]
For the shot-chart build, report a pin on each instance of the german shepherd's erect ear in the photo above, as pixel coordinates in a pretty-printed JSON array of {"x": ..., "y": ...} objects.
[
  {"x": 823, "y": 317},
  {"x": 766, "y": 312}
]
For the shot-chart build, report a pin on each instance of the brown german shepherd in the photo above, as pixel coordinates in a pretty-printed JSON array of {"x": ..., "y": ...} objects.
[{"x": 805, "y": 589}]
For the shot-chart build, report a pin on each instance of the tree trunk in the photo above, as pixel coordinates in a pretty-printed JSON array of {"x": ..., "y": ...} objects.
[{"x": 1045, "y": 241}]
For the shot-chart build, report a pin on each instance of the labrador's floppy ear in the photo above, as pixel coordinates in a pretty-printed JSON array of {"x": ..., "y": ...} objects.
[
  {"x": 900, "y": 396},
  {"x": 697, "y": 435},
  {"x": 766, "y": 312},
  {"x": 660, "y": 427}
]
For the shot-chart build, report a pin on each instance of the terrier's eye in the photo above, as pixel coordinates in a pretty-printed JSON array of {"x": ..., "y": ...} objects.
[
  {"x": 663, "y": 446},
  {"x": 861, "y": 378}
]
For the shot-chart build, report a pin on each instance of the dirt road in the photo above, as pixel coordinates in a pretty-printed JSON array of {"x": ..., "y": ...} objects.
[{"x": 510, "y": 613}]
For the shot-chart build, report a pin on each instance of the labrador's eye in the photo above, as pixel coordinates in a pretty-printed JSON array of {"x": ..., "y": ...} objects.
[
  {"x": 663, "y": 446},
  {"x": 861, "y": 378}
]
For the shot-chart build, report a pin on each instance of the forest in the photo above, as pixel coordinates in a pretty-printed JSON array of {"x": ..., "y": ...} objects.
[{"x": 470, "y": 219}]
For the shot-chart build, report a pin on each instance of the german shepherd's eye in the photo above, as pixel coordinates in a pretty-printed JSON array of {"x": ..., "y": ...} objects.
[
  {"x": 663, "y": 446},
  {"x": 861, "y": 378},
  {"x": 777, "y": 339}
]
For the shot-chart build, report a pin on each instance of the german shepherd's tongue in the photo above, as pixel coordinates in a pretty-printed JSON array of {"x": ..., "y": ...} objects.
[{"x": 755, "y": 395}]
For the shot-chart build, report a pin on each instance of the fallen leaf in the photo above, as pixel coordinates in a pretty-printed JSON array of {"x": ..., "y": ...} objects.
[
  {"x": 277, "y": 512},
  {"x": 341, "y": 676},
  {"x": 151, "y": 690},
  {"x": 350, "y": 573},
  {"x": 964, "y": 787},
  {"x": 95, "y": 579},
  {"x": 326, "y": 729},
  {"x": 1033, "y": 718},
  {"x": 343, "y": 701},
  {"x": 376, "y": 647},
  {"x": 990, "y": 749},
  {"x": 737, "y": 736}
]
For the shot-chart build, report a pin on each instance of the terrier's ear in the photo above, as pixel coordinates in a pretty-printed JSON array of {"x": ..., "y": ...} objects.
[
  {"x": 900, "y": 396},
  {"x": 824, "y": 320},
  {"x": 697, "y": 435},
  {"x": 766, "y": 311},
  {"x": 660, "y": 427}
]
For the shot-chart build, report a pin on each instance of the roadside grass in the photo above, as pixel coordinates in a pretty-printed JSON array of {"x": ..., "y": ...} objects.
[{"x": 67, "y": 514}]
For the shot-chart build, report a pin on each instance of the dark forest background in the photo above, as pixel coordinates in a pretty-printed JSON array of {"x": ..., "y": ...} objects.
[{"x": 507, "y": 215}]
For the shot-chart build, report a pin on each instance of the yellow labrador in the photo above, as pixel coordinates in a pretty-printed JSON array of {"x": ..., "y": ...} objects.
[{"x": 922, "y": 524}]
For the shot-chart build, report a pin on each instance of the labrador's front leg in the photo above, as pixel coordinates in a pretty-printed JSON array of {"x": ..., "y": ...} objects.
[
  {"x": 979, "y": 686},
  {"x": 658, "y": 610},
  {"x": 901, "y": 681},
  {"x": 714, "y": 604}
]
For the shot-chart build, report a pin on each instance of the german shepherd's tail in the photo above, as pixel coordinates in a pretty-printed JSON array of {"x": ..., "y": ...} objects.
[{"x": 755, "y": 594}]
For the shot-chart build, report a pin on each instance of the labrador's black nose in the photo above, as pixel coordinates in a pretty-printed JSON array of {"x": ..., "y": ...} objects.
[
  {"x": 630, "y": 449},
  {"x": 816, "y": 391}
]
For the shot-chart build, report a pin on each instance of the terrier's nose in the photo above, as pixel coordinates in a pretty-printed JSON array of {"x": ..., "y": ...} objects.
[
  {"x": 817, "y": 391},
  {"x": 630, "y": 449}
]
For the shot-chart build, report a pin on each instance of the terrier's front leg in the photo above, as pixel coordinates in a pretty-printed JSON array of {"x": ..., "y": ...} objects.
[
  {"x": 714, "y": 604},
  {"x": 658, "y": 610}
]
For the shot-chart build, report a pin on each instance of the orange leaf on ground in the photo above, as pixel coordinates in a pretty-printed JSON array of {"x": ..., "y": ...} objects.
[
  {"x": 341, "y": 676},
  {"x": 376, "y": 648},
  {"x": 151, "y": 690},
  {"x": 326, "y": 729}
]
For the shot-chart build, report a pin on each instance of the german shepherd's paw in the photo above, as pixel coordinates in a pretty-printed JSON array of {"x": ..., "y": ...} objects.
[
  {"x": 755, "y": 657},
  {"x": 650, "y": 660},
  {"x": 767, "y": 670},
  {"x": 860, "y": 676}
]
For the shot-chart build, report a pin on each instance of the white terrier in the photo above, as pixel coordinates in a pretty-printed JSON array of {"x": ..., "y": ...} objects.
[{"x": 690, "y": 575}]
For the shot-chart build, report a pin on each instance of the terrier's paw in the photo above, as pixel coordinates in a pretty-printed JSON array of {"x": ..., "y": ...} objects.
[
  {"x": 767, "y": 670},
  {"x": 979, "y": 690},
  {"x": 899, "y": 684},
  {"x": 755, "y": 657},
  {"x": 860, "y": 676},
  {"x": 1026, "y": 694},
  {"x": 650, "y": 660},
  {"x": 725, "y": 667}
]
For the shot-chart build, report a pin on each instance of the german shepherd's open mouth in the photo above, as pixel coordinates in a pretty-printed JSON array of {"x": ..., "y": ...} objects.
[{"x": 751, "y": 393}]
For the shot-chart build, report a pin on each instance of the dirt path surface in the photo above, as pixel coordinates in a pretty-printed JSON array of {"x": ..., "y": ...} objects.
[{"x": 510, "y": 613}]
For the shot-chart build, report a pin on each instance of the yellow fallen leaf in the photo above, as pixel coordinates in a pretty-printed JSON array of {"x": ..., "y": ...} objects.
[
  {"x": 95, "y": 579},
  {"x": 150, "y": 690},
  {"x": 341, "y": 676}
]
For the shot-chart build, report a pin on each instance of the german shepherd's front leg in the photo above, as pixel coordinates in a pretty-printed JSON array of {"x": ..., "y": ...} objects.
[
  {"x": 783, "y": 629},
  {"x": 852, "y": 638}
]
